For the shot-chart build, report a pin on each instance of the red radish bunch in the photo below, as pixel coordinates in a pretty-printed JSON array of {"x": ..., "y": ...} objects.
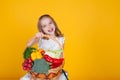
[{"x": 27, "y": 64}]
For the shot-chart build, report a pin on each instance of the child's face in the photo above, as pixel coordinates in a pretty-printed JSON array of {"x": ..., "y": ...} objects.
[{"x": 48, "y": 26}]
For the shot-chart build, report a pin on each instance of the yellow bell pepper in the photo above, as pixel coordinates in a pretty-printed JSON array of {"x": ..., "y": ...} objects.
[{"x": 36, "y": 55}]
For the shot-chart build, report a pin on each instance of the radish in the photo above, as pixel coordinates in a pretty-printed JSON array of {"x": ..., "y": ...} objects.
[
  {"x": 24, "y": 68},
  {"x": 29, "y": 60},
  {"x": 29, "y": 65}
]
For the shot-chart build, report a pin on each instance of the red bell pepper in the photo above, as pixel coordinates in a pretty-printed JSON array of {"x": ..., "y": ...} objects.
[{"x": 55, "y": 62}]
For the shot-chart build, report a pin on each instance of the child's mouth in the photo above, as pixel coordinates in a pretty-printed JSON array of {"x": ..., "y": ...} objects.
[{"x": 50, "y": 30}]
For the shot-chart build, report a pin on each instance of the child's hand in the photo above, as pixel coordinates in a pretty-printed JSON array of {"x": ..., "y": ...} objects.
[{"x": 39, "y": 35}]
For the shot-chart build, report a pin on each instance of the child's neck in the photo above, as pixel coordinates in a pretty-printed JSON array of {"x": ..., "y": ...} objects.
[{"x": 52, "y": 36}]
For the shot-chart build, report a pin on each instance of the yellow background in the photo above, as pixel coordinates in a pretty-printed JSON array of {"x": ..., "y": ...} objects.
[{"x": 91, "y": 28}]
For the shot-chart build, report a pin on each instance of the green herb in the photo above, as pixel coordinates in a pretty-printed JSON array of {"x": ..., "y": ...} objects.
[{"x": 28, "y": 51}]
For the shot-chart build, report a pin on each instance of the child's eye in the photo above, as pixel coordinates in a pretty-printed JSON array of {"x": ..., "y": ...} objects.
[
  {"x": 50, "y": 22},
  {"x": 44, "y": 26}
]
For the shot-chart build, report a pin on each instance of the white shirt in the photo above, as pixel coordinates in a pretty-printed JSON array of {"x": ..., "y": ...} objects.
[{"x": 50, "y": 44}]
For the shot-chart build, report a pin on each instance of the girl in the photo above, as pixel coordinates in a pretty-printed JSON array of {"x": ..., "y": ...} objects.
[{"x": 49, "y": 37}]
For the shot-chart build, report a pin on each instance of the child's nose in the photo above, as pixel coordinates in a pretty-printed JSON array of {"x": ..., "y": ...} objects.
[{"x": 49, "y": 26}]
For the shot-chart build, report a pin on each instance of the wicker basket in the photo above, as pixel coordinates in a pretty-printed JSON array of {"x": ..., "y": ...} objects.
[{"x": 43, "y": 75}]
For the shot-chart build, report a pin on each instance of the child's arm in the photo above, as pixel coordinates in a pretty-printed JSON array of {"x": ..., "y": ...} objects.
[{"x": 34, "y": 39}]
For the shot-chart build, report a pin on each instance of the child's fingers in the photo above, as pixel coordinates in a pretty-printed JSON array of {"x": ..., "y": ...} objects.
[
  {"x": 42, "y": 34},
  {"x": 39, "y": 34}
]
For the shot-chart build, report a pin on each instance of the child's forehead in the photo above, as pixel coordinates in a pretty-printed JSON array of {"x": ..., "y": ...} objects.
[{"x": 46, "y": 19}]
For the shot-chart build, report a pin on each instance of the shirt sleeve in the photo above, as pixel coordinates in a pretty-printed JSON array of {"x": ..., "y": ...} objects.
[{"x": 63, "y": 40}]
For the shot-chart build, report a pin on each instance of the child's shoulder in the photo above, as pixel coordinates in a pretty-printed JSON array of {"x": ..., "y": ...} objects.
[{"x": 61, "y": 37}]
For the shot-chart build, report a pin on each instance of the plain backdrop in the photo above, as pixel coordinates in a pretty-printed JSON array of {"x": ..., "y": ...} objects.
[{"x": 91, "y": 29}]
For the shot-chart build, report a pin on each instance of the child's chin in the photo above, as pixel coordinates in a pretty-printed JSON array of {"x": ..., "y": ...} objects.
[{"x": 50, "y": 33}]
